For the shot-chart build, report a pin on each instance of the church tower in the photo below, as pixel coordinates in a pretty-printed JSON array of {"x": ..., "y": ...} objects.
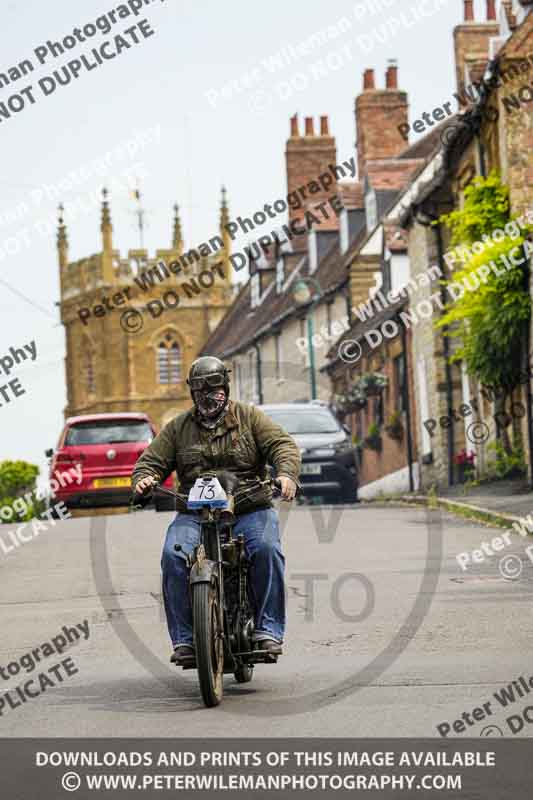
[{"x": 135, "y": 323}]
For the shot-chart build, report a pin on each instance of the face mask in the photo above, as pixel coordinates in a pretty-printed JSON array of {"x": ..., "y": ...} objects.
[{"x": 210, "y": 404}]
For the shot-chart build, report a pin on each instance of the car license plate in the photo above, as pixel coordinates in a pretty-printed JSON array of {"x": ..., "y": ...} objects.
[
  {"x": 311, "y": 469},
  {"x": 109, "y": 483}
]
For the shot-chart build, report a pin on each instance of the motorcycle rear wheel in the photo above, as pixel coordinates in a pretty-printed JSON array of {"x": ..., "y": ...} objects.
[
  {"x": 208, "y": 643},
  {"x": 244, "y": 673}
]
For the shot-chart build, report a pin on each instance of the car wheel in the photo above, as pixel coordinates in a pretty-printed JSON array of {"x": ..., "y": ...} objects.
[{"x": 350, "y": 496}]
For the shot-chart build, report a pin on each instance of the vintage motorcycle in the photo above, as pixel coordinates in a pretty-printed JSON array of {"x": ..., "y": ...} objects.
[{"x": 223, "y": 617}]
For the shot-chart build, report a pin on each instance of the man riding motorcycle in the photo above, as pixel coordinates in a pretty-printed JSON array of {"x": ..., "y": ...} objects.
[{"x": 218, "y": 434}]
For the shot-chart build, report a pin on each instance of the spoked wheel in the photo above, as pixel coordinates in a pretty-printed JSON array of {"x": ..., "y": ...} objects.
[
  {"x": 244, "y": 673},
  {"x": 209, "y": 643}
]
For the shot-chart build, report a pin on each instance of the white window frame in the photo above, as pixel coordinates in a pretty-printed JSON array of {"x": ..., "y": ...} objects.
[
  {"x": 344, "y": 231},
  {"x": 255, "y": 288},
  {"x": 280, "y": 274},
  {"x": 371, "y": 210}
]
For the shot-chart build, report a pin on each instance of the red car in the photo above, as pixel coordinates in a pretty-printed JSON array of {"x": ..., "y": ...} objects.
[{"x": 95, "y": 457}]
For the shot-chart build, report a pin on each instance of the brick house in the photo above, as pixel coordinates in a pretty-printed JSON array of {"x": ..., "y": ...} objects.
[
  {"x": 479, "y": 141},
  {"x": 382, "y": 296}
]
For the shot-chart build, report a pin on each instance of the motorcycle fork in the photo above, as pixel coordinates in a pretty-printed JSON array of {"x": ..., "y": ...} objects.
[
  {"x": 243, "y": 591},
  {"x": 211, "y": 540}
]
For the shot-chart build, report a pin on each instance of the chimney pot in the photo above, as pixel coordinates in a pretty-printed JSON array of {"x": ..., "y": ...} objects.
[
  {"x": 391, "y": 79},
  {"x": 469, "y": 10},
  {"x": 294, "y": 126},
  {"x": 491, "y": 10},
  {"x": 368, "y": 79},
  {"x": 309, "y": 128},
  {"x": 324, "y": 126}
]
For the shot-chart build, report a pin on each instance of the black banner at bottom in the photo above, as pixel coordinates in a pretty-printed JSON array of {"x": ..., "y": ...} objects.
[{"x": 471, "y": 769}]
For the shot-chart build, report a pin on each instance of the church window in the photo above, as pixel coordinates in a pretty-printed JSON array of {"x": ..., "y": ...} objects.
[{"x": 169, "y": 360}]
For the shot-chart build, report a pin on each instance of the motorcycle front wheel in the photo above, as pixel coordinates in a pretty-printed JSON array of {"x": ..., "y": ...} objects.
[{"x": 209, "y": 643}]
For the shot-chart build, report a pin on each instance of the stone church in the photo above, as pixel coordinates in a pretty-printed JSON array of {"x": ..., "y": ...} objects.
[{"x": 130, "y": 341}]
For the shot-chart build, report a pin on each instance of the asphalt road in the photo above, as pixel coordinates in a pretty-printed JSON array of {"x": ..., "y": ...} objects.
[{"x": 385, "y": 637}]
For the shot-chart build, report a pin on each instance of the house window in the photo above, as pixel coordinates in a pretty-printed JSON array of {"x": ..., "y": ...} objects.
[
  {"x": 238, "y": 381},
  {"x": 371, "y": 209},
  {"x": 313, "y": 252},
  {"x": 252, "y": 372},
  {"x": 280, "y": 274},
  {"x": 399, "y": 382},
  {"x": 255, "y": 290},
  {"x": 89, "y": 375},
  {"x": 169, "y": 361},
  {"x": 344, "y": 231}
]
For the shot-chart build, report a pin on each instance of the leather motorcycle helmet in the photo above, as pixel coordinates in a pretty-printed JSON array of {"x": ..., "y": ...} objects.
[{"x": 208, "y": 382}]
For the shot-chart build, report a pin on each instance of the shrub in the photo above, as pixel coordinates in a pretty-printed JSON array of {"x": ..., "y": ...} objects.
[{"x": 18, "y": 478}]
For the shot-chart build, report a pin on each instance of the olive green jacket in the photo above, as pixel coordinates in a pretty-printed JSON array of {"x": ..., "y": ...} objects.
[{"x": 243, "y": 443}]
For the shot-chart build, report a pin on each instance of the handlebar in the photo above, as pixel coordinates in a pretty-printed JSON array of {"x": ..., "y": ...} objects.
[{"x": 140, "y": 500}]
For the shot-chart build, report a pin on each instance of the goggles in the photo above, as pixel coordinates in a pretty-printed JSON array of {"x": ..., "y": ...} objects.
[{"x": 214, "y": 381}]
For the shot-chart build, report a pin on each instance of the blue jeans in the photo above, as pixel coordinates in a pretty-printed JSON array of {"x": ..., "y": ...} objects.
[{"x": 261, "y": 537}]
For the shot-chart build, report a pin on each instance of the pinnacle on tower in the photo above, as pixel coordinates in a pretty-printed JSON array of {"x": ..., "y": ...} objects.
[
  {"x": 106, "y": 226},
  {"x": 226, "y": 239},
  {"x": 224, "y": 212},
  {"x": 62, "y": 240},
  {"x": 177, "y": 241},
  {"x": 106, "y": 214}
]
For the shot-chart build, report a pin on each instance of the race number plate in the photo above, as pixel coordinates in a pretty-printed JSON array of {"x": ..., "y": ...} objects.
[{"x": 207, "y": 492}]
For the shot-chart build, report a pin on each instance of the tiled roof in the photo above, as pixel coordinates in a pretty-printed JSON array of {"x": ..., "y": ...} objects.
[
  {"x": 425, "y": 147},
  {"x": 241, "y": 325},
  {"x": 358, "y": 329}
]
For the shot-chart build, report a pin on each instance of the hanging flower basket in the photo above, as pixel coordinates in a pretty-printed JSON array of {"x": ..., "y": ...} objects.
[
  {"x": 394, "y": 427},
  {"x": 373, "y": 439},
  {"x": 372, "y": 383},
  {"x": 350, "y": 402},
  {"x": 358, "y": 403}
]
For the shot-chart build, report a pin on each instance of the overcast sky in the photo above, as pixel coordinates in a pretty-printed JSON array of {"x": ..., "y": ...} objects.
[{"x": 207, "y": 136}]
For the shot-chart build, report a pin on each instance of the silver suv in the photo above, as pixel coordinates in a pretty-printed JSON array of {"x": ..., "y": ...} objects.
[{"x": 329, "y": 465}]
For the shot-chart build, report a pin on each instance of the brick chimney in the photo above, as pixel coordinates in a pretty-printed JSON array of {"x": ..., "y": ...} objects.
[
  {"x": 378, "y": 113},
  {"x": 307, "y": 157},
  {"x": 471, "y": 41}
]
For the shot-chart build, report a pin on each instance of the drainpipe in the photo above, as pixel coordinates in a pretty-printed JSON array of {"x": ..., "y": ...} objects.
[
  {"x": 259, "y": 376},
  {"x": 407, "y": 403},
  {"x": 529, "y": 394},
  {"x": 526, "y": 351},
  {"x": 447, "y": 365},
  {"x": 445, "y": 340}
]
